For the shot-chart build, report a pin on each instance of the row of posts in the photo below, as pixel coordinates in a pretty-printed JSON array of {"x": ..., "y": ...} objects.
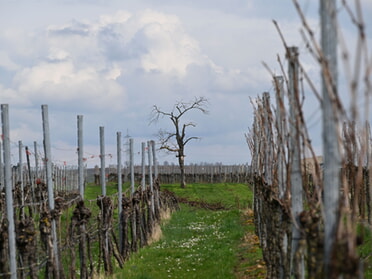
[
  {"x": 331, "y": 148},
  {"x": 7, "y": 181}
]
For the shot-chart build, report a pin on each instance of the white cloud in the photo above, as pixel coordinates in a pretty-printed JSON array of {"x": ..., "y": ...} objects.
[
  {"x": 10, "y": 96},
  {"x": 58, "y": 55},
  {"x": 112, "y": 65},
  {"x": 170, "y": 49},
  {"x": 123, "y": 63},
  {"x": 63, "y": 83},
  {"x": 6, "y": 62}
]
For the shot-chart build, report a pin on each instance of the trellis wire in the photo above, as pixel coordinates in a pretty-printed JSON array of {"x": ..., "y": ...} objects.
[{"x": 56, "y": 189}]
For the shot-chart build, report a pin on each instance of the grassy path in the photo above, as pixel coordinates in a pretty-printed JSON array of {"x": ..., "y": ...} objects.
[{"x": 202, "y": 243}]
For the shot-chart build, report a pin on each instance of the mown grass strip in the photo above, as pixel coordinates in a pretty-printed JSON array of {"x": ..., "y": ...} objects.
[
  {"x": 196, "y": 243},
  {"x": 235, "y": 195},
  {"x": 200, "y": 243}
]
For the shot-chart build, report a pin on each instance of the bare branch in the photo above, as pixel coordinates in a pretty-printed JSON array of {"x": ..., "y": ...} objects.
[
  {"x": 165, "y": 140},
  {"x": 157, "y": 113},
  {"x": 281, "y": 35},
  {"x": 191, "y": 138},
  {"x": 198, "y": 103},
  {"x": 175, "y": 141}
]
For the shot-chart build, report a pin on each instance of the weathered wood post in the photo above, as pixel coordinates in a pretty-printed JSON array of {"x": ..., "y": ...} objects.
[
  {"x": 29, "y": 166},
  {"x": 131, "y": 161},
  {"x": 150, "y": 177},
  {"x": 268, "y": 134},
  {"x": 132, "y": 187},
  {"x": 331, "y": 148},
  {"x": 266, "y": 170},
  {"x": 105, "y": 204},
  {"x": 81, "y": 178},
  {"x": 36, "y": 161},
  {"x": 154, "y": 159},
  {"x": 143, "y": 165},
  {"x": 1, "y": 169},
  {"x": 281, "y": 135},
  {"x": 281, "y": 141},
  {"x": 103, "y": 162},
  {"x": 156, "y": 189},
  {"x": 297, "y": 259},
  {"x": 57, "y": 271},
  {"x": 368, "y": 170},
  {"x": 256, "y": 146},
  {"x": 257, "y": 171},
  {"x": 20, "y": 181},
  {"x": 120, "y": 186},
  {"x": 81, "y": 185},
  {"x": 9, "y": 191}
]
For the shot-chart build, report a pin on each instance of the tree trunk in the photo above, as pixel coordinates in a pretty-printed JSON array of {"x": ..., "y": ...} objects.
[{"x": 181, "y": 162}]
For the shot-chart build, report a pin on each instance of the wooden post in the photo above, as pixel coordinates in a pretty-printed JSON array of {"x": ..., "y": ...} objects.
[
  {"x": 156, "y": 190},
  {"x": 331, "y": 148},
  {"x": 36, "y": 161},
  {"x": 20, "y": 178},
  {"x": 103, "y": 163},
  {"x": 268, "y": 134},
  {"x": 131, "y": 165},
  {"x": 281, "y": 141},
  {"x": 1, "y": 169},
  {"x": 256, "y": 142},
  {"x": 143, "y": 163},
  {"x": 9, "y": 192},
  {"x": 154, "y": 159},
  {"x": 150, "y": 177},
  {"x": 28, "y": 166},
  {"x": 81, "y": 185},
  {"x": 281, "y": 134},
  {"x": 368, "y": 171},
  {"x": 81, "y": 180},
  {"x": 120, "y": 186}
]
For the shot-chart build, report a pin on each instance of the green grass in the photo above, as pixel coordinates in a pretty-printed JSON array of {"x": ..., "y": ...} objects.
[
  {"x": 92, "y": 191},
  {"x": 229, "y": 194},
  {"x": 197, "y": 243},
  {"x": 365, "y": 250}
]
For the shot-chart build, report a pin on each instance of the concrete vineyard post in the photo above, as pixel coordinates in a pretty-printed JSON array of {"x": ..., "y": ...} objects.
[
  {"x": 50, "y": 185},
  {"x": 295, "y": 160},
  {"x": 9, "y": 191},
  {"x": 331, "y": 149}
]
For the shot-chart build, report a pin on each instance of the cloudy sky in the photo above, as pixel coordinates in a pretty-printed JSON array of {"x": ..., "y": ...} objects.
[{"x": 111, "y": 61}]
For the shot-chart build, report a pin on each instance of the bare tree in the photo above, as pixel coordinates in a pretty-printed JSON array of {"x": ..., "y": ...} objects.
[{"x": 175, "y": 141}]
